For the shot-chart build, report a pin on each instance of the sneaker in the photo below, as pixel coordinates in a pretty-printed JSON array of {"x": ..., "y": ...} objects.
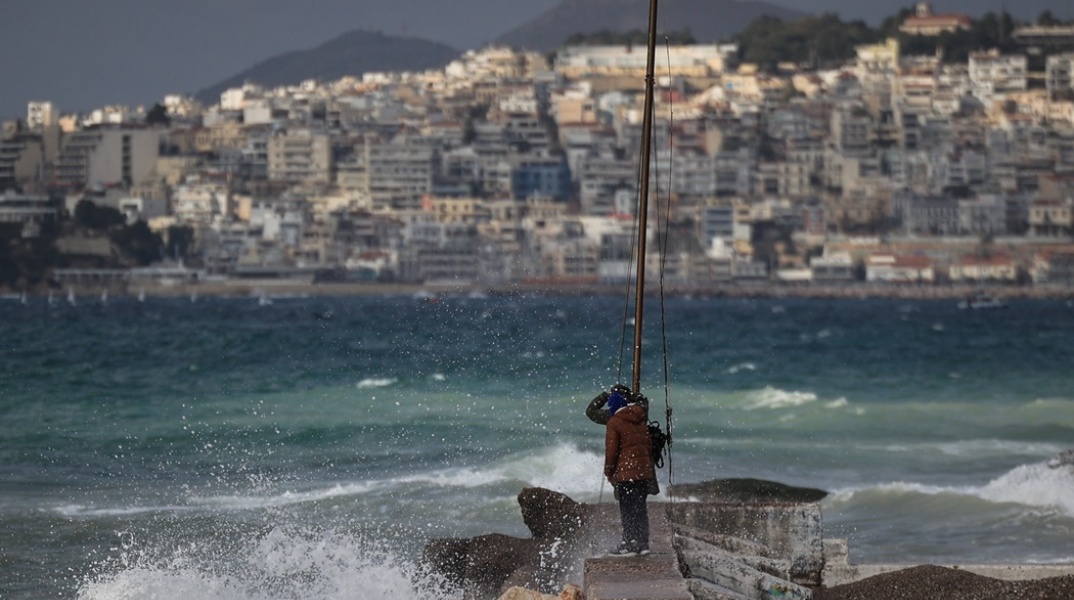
[
  {"x": 623, "y": 550},
  {"x": 643, "y": 551}
]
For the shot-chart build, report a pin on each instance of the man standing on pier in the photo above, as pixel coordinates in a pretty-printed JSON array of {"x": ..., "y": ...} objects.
[{"x": 628, "y": 465}]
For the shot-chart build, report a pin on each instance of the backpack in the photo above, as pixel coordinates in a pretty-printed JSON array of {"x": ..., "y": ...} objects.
[{"x": 661, "y": 443}]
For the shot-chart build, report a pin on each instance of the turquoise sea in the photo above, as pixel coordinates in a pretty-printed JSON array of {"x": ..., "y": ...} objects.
[{"x": 226, "y": 449}]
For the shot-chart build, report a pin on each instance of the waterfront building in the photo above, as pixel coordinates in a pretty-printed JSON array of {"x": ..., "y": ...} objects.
[
  {"x": 917, "y": 214},
  {"x": 835, "y": 267},
  {"x": 106, "y": 156},
  {"x": 984, "y": 269},
  {"x": 22, "y": 162},
  {"x": 891, "y": 268},
  {"x": 1051, "y": 218}
]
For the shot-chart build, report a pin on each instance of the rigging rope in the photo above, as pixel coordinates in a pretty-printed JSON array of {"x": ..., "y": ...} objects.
[
  {"x": 664, "y": 236},
  {"x": 663, "y": 261}
]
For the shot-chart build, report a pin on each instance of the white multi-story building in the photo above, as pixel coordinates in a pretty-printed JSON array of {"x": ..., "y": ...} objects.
[
  {"x": 104, "y": 156},
  {"x": 397, "y": 175},
  {"x": 993, "y": 75},
  {"x": 200, "y": 201},
  {"x": 1059, "y": 75},
  {"x": 699, "y": 60},
  {"x": 40, "y": 115},
  {"x": 300, "y": 155}
]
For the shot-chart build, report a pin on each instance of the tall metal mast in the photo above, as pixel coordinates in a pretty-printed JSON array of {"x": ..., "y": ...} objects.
[{"x": 643, "y": 204}]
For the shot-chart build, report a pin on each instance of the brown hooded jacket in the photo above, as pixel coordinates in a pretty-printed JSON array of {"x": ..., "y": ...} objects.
[{"x": 627, "y": 446}]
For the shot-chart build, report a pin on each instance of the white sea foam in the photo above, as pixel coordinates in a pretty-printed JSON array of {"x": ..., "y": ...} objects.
[
  {"x": 896, "y": 488},
  {"x": 774, "y": 398},
  {"x": 742, "y": 367},
  {"x": 375, "y": 382},
  {"x": 81, "y": 510},
  {"x": 564, "y": 468},
  {"x": 285, "y": 498},
  {"x": 280, "y": 565},
  {"x": 995, "y": 447},
  {"x": 233, "y": 502},
  {"x": 1034, "y": 485}
]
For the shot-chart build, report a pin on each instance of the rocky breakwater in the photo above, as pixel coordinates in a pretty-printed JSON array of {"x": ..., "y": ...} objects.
[
  {"x": 776, "y": 525},
  {"x": 489, "y": 565}
]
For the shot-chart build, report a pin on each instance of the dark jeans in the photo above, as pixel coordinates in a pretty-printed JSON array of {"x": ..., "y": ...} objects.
[{"x": 634, "y": 512}]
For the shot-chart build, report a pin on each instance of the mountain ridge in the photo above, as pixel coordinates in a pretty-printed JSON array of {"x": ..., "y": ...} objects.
[
  {"x": 358, "y": 52},
  {"x": 353, "y": 53},
  {"x": 707, "y": 20}
]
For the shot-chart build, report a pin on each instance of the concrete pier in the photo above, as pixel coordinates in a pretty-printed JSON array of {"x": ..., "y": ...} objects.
[
  {"x": 653, "y": 577},
  {"x": 739, "y": 551}
]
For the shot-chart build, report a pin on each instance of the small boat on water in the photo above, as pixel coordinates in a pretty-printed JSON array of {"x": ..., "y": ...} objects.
[{"x": 981, "y": 301}]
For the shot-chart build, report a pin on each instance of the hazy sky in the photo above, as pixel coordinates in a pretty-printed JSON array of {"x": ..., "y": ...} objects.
[{"x": 81, "y": 54}]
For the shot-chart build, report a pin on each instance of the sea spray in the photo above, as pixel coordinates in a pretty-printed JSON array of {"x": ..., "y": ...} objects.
[{"x": 286, "y": 563}]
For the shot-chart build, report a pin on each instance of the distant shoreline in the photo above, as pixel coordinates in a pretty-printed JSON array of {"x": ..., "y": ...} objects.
[{"x": 852, "y": 291}]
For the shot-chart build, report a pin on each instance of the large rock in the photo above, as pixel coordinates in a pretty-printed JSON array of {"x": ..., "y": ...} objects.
[
  {"x": 448, "y": 557},
  {"x": 747, "y": 491},
  {"x": 481, "y": 564},
  {"x": 550, "y": 515},
  {"x": 489, "y": 565},
  {"x": 494, "y": 557}
]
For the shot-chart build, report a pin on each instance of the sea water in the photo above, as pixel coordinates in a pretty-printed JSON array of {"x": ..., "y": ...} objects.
[{"x": 308, "y": 448}]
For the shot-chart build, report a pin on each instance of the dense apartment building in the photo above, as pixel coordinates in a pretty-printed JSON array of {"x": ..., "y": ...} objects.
[
  {"x": 400, "y": 174},
  {"x": 106, "y": 156},
  {"x": 300, "y": 156}
]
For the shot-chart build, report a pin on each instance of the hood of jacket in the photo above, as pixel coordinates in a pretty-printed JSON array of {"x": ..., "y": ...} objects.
[{"x": 633, "y": 413}]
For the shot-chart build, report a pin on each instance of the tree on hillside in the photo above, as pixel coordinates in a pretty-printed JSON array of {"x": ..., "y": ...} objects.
[
  {"x": 634, "y": 37},
  {"x": 158, "y": 115},
  {"x": 180, "y": 241},
  {"x": 819, "y": 40},
  {"x": 138, "y": 243},
  {"x": 97, "y": 218},
  {"x": 889, "y": 27},
  {"x": 1047, "y": 19}
]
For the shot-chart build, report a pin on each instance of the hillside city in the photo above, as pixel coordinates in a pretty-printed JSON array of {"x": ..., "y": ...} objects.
[{"x": 511, "y": 167}]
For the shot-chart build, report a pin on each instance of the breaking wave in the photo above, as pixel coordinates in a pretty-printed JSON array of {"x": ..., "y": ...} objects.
[
  {"x": 772, "y": 398},
  {"x": 1035, "y": 486},
  {"x": 563, "y": 467},
  {"x": 374, "y": 382},
  {"x": 282, "y": 564}
]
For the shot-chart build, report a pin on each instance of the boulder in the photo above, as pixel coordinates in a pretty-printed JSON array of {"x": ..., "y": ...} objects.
[
  {"x": 532, "y": 577},
  {"x": 1064, "y": 458},
  {"x": 448, "y": 557},
  {"x": 550, "y": 515},
  {"x": 521, "y": 593},
  {"x": 491, "y": 564},
  {"x": 571, "y": 592},
  {"x": 494, "y": 557}
]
